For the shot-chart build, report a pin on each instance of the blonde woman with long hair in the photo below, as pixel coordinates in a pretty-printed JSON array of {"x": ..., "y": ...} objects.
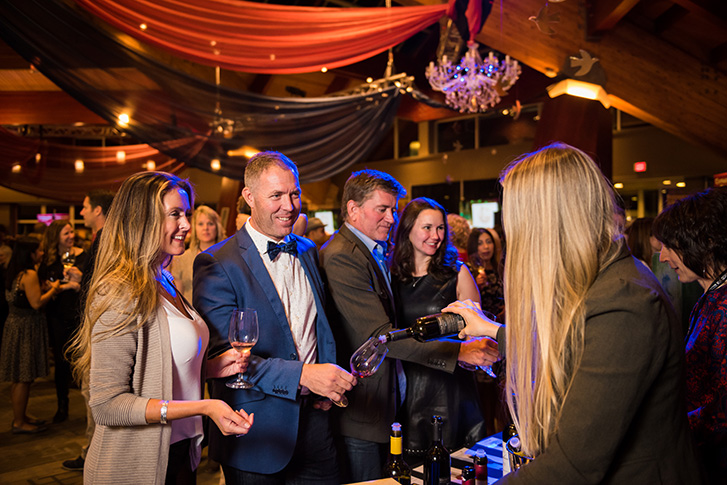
[
  {"x": 143, "y": 347},
  {"x": 207, "y": 231},
  {"x": 594, "y": 354}
]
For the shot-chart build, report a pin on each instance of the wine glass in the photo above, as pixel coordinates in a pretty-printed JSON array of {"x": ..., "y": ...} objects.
[
  {"x": 366, "y": 361},
  {"x": 68, "y": 259},
  {"x": 243, "y": 335},
  {"x": 487, "y": 368}
]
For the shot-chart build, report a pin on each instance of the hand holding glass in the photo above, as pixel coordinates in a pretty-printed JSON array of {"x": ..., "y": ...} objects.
[
  {"x": 68, "y": 259},
  {"x": 243, "y": 334},
  {"x": 366, "y": 360}
]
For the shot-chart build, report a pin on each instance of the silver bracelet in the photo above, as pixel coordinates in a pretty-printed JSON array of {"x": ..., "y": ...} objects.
[{"x": 163, "y": 417}]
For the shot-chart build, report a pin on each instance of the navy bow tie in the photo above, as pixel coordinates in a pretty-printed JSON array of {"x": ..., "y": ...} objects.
[{"x": 291, "y": 247}]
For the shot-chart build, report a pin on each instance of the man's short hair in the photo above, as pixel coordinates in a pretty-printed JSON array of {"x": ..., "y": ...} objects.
[
  {"x": 260, "y": 162},
  {"x": 100, "y": 198},
  {"x": 361, "y": 185}
]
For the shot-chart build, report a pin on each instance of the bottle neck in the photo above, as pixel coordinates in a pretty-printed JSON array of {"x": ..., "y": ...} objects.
[
  {"x": 401, "y": 334},
  {"x": 395, "y": 446}
]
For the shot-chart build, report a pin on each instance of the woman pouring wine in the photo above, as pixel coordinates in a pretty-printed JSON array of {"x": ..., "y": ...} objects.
[{"x": 594, "y": 350}]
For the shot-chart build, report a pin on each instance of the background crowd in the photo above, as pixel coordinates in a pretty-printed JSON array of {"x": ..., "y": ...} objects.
[{"x": 598, "y": 330}]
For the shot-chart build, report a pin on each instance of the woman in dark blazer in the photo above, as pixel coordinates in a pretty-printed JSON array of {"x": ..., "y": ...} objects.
[{"x": 595, "y": 363}]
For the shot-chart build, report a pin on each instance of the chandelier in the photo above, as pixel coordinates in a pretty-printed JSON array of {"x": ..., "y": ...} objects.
[{"x": 473, "y": 85}]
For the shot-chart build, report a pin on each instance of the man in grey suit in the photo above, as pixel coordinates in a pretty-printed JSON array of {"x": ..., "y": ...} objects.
[
  {"x": 265, "y": 267},
  {"x": 354, "y": 263}
]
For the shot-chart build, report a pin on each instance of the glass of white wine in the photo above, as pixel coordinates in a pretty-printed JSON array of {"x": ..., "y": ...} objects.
[
  {"x": 68, "y": 259},
  {"x": 243, "y": 334}
]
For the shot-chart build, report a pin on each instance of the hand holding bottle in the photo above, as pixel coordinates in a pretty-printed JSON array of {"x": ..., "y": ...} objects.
[{"x": 477, "y": 324}]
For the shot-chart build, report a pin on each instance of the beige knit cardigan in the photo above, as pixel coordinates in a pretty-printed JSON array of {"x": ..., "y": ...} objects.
[{"x": 126, "y": 371}]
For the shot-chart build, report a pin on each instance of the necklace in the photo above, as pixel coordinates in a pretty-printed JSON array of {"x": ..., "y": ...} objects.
[
  {"x": 719, "y": 281},
  {"x": 416, "y": 280}
]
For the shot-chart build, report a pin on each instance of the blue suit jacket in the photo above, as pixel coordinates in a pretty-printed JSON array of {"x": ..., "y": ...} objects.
[{"x": 231, "y": 275}]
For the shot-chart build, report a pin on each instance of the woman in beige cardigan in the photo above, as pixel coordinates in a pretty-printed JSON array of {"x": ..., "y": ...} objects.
[{"x": 144, "y": 347}]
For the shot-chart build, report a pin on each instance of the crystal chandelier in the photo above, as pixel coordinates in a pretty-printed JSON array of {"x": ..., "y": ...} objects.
[{"x": 473, "y": 85}]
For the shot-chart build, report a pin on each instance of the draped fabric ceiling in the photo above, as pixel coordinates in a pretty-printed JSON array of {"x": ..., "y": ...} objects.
[{"x": 172, "y": 111}]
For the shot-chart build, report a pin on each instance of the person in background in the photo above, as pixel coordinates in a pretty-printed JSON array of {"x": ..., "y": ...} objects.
[
  {"x": 5, "y": 253},
  {"x": 638, "y": 237},
  {"x": 96, "y": 206},
  {"x": 485, "y": 263},
  {"x": 354, "y": 263},
  {"x": 265, "y": 267},
  {"x": 694, "y": 238},
  {"x": 459, "y": 231},
  {"x": 301, "y": 225},
  {"x": 243, "y": 213},
  {"x": 25, "y": 337},
  {"x": 425, "y": 277},
  {"x": 206, "y": 231},
  {"x": 316, "y": 232},
  {"x": 64, "y": 310},
  {"x": 143, "y": 348},
  {"x": 594, "y": 353}
]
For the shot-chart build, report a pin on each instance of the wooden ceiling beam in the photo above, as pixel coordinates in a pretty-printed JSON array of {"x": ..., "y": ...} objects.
[
  {"x": 670, "y": 17},
  {"x": 646, "y": 76},
  {"x": 603, "y": 15},
  {"x": 706, "y": 13}
]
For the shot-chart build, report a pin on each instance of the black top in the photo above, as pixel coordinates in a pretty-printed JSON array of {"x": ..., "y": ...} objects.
[
  {"x": 66, "y": 305},
  {"x": 430, "y": 391}
]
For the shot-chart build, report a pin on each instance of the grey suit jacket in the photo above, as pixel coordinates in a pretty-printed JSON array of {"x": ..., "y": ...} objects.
[
  {"x": 624, "y": 420},
  {"x": 362, "y": 306}
]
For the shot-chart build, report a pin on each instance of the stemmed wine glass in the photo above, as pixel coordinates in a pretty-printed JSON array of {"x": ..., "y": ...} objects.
[
  {"x": 487, "y": 368},
  {"x": 243, "y": 335},
  {"x": 68, "y": 259},
  {"x": 366, "y": 360}
]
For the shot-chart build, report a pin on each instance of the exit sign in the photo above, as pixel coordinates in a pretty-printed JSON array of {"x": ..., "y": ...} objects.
[{"x": 640, "y": 167}]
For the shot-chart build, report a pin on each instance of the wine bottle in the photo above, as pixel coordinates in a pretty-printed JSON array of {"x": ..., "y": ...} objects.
[
  {"x": 429, "y": 327},
  {"x": 480, "y": 462},
  {"x": 507, "y": 433},
  {"x": 468, "y": 475},
  {"x": 396, "y": 467},
  {"x": 437, "y": 463}
]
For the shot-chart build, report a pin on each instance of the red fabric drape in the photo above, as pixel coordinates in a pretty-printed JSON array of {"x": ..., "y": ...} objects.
[
  {"x": 54, "y": 176},
  {"x": 263, "y": 38}
]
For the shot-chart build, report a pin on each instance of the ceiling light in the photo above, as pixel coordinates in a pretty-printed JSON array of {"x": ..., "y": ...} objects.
[
  {"x": 124, "y": 119},
  {"x": 215, "y": 164},
  {"x": 324, "y": 69},
  {"x": 37, "y": 157},
  {"x": 151, "y": 165},
  {"x": 16, "y": 168},
  {"x": 142, "y": 26},
  {"x": 579, "y": 89},
  {"x": 120, "y": 156},
  {"x": 666, "y": 182},
  {"x": 681, "y": 184},
  {"x": 244, "y": 151},
  {"x": 473, "y": 85},
  {"x": 79, "y": 166},
  {"x": 618, "y": 185}
]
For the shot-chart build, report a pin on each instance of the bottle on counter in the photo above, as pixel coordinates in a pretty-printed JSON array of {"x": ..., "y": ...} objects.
[
  {"x": 437, "y": 462},
  {"x": 396, "y": 467},
  {"x": 468, "y": 475},
  {"x": 507, "y": 433},
  {"x": 429, "y": 327},
  {"x": 480, "y": 462}
]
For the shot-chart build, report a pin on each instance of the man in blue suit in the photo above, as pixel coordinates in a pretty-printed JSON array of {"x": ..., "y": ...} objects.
[{"x": 265, "y": 267}]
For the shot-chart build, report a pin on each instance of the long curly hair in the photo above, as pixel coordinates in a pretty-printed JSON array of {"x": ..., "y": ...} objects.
[
  {"x": 51, "y": 238},
  {"x": 558, "y": 211},
  {"x": 442, "y": 265},
  {"x": 129, "y": 258}
]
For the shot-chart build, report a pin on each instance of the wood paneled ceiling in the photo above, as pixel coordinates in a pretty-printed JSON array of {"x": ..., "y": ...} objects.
[{"x": 665, "y": 62}]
